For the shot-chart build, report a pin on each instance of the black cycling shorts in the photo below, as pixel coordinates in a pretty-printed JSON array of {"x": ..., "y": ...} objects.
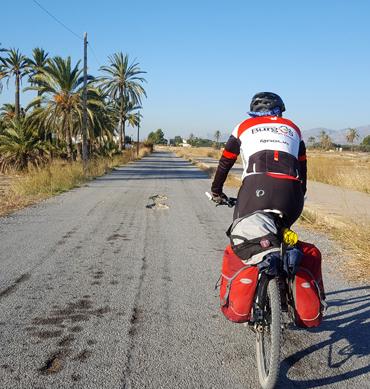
[{"x": 260, "y": 191}]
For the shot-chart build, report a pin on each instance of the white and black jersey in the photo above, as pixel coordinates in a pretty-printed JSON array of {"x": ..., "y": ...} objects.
[
  {"x": 269, "y": 145},
  {"x": 274, "y": 166}
]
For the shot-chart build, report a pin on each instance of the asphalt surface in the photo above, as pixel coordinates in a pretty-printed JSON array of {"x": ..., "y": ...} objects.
[{"x": 102, "y": 287}]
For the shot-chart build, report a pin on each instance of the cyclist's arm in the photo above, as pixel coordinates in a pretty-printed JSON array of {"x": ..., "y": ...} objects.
[
  {"x": 227, "y": 160},
  {"x": 303, "y": 165}
]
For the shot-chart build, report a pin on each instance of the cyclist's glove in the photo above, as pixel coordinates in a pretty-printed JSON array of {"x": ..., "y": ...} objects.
[{"x": 218, "y": 198}]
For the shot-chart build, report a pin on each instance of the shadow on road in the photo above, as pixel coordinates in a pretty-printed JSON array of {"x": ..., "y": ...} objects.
[
  {"x": 347, "y": 343},
  {"x": 156, "y": 166}
]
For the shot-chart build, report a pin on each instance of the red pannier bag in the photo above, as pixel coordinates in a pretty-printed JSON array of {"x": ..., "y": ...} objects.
[
  {"x": 308, "y": 288},
  {"x": 238, "y": 286}
]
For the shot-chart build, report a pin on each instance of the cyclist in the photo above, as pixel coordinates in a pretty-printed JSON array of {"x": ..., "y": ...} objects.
[{"x": 274, "y": 161}]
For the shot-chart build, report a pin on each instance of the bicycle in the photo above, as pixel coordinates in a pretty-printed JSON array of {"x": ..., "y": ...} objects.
[{"x": 273, "y": 296}]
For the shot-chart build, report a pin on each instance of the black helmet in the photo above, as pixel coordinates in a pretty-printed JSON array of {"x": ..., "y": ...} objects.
[{"x": 266, "y": 102}]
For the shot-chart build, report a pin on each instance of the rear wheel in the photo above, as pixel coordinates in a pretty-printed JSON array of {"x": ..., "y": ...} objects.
[{"x": 269, "y": 337}]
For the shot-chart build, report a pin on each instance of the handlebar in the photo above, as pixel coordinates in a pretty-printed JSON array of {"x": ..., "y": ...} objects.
[{"x": 229, "y": 201}]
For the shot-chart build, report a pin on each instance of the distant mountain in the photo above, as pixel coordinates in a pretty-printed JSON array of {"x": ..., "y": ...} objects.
[{"x": 337, "y": 136}]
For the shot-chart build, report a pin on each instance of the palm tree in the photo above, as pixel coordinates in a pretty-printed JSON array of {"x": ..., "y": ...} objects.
[
  {"x": 123, "y": 84},
  {"x": 100, "y": 118},
  {"x": 60, "y": 87},
  {"x": 352, "y": 135},
  {"x": 20, "y": 146},
  {"x": 325, "y": 140},
  {"x": 7, "y": 112},
  {"x": 1, "y": 71},
  {"x": 191, "y": 139},
  {"x": 36, "y": 65},
  {"x": 132, "y": 115},
  {"x": 217, "y": 138},
  {"x": 14, "y": 65}
]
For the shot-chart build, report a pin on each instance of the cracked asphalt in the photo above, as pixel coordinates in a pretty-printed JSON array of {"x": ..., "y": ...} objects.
[{"x": 100, "y": 290}]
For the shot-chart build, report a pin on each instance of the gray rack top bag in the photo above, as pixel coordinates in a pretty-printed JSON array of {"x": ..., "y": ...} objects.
[{"x": 253, "y": 236}]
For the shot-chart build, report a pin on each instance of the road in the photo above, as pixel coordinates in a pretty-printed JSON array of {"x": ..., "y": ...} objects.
[{"x": 98, "y": 289}]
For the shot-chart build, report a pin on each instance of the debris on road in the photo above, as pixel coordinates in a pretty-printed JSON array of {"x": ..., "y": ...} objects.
[{"x": 158, "y": 202}]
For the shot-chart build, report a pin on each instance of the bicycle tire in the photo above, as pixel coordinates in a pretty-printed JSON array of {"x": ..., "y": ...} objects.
[{"x": 269, "y": 365}]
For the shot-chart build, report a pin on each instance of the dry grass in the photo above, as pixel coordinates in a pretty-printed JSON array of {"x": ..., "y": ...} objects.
[
  {"x": 37, "y": 184},
  {"x": 194, "y": 152},
  {"x": 209, "y": 169},
  {"x": 345, "y": 169},
  {"x": 233, "y": 181},
  {"x": 348, "y": 170},
  {"x": 353, "y": 239}
]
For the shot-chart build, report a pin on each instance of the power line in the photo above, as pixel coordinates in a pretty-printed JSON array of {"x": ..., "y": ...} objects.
[
  {"x": 68, "y": 29},
  {"x": 57, "y": 20},
  {"x": 94, "y": 54}
]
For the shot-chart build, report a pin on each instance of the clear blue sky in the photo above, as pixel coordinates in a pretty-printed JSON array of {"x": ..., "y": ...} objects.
[{"x": 205, "y": 59}]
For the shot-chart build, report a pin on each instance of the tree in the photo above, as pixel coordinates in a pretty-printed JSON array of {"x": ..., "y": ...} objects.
[
  {"x": 201, "y": 142},
  {"x": 311, "y": 140},
  {"x": 351, "y": 135},
  {"x": 20, "y": 146},
  {"x": 36, "y": 65},
  {"x": 191, "y": 139},
  {"x": 177, "y": 140},
  {"x": 7, "y": 112},
  {"x": 15, "y": 64},
  {"x": 217, "y": 138},
  {"x": 132, "y": 115},
  {"x": 325, "y": 140},
  {"x": 100, "y": 120},
  {"x": 60, "y": 102},
  {"x": 366, "y": 141},
  {"x": 157, "y": 137},
  {"x": 1, "y": 69},
  {"x": 123, "y": 84}
]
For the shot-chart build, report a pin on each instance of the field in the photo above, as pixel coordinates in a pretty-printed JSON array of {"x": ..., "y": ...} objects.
[
  {"x": 348, "y": 170},
  {"x": 345, "y": 169},
  {"x": 193, "y": 152}
]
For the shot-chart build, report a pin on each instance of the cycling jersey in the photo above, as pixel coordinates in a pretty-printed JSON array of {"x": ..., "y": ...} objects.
[{"x": 268, "y": 145}]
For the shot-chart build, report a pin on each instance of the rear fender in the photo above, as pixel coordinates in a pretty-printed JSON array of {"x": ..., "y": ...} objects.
[{"x": 260, "y": 298}]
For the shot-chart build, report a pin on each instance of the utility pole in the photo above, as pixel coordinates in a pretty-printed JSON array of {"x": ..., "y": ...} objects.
[
  {"x": 85, "y": 155},
  {"x": 138, "y": 134}
]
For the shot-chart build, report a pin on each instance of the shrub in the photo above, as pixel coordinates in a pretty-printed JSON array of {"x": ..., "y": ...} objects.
[
  {"x": 21, "y": 147},
  {"x": 149, "y": 145}
]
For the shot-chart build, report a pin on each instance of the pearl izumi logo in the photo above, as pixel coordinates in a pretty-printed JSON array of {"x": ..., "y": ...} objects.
[
  {"x": 265, "y": 243},
  {"x": 284, "y": 130},
  {"x": 260, "y": 192}
]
